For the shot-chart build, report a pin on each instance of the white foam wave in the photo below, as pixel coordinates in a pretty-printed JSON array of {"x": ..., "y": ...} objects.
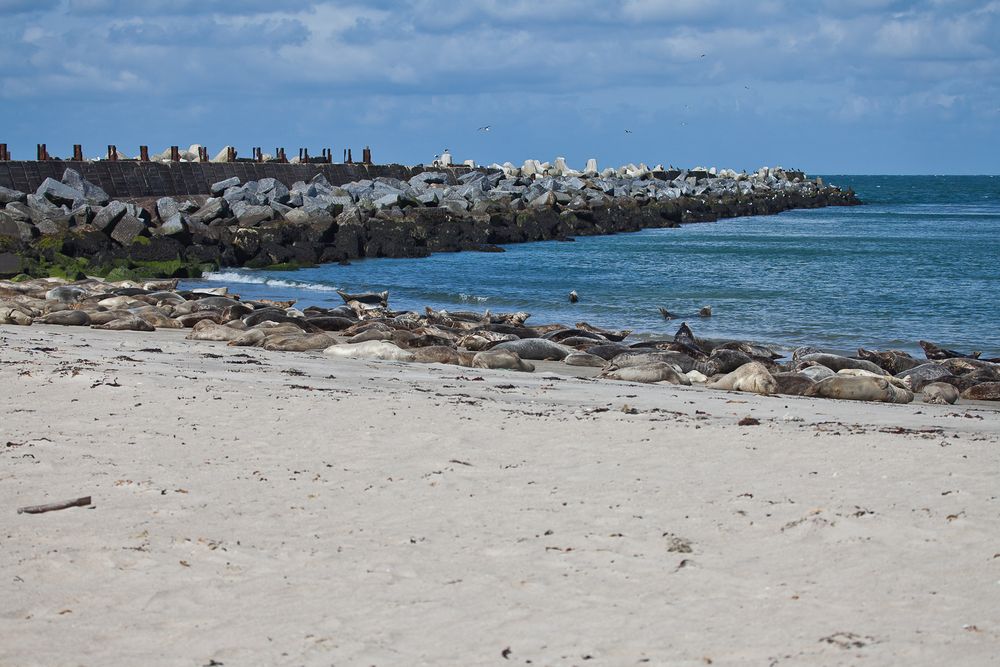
[
  {"x": 472, "y": 298},
  {"x": 233, "y": 277}
]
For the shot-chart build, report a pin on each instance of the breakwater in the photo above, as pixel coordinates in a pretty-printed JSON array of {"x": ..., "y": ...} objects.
[
  {"x": 133, "y": 179},
  {"x": 72, "y": 226}
]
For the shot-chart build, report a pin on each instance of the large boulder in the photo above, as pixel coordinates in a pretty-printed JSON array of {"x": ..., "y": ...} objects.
[
  {"x": 92, "y": 194},
  {"x": 213, "y": 209},
  {"x": 58, "y": 193},
  {"x": 18, "y": 230},
  {"x": 18, "y": 211},
  {"x": 251, "y": 215},
  {"x": 10, "y": 264},
  {"x": 167, "y": 207},
  {"x": 7, "y": 196},
  {"x": 175, "y": 226},
  {"x": 128, "y": 229},
  {"x": 108, "y": 217},
  {"x": 220, "y": 187}
]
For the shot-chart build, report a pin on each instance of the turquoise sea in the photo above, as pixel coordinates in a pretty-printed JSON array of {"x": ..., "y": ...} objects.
[{"x": 920, "y": 260}]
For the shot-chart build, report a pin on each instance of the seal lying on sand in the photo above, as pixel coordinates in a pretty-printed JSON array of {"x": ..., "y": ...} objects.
[
  {"x": 989, "y": 391},
  {"x": 69, "y": 318},
  {"x": 298, "y": 342},
  {"x": 860, "y": 389},
  {"x": 127, "y": 323},
  {"x": 753, "y": 377},
  {"x": 584, "y": 359},
  {"x": 373, "y": 349},
  {"x": 505, "y": 359},
  {"x": 436, "y": 354},
  {"x": 536, "y": 349},
  {"x": 12, "y": 315},
  {"x": 892, "y": 361},
  {"x": 940, "y": 393},
  {"x": 835, "y": 362},
  {"x": 657, "y": 371},
  {"x": 793, "y": 384}
]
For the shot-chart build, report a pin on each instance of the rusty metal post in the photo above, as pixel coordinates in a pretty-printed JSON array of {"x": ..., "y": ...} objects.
[
  {"x": 43, "y": 154},
  {"x": 77, "y": 153},
  {"x": 328, "y": 155},
  {"x": 350, "y": 158},
  {"x": 202, "y": 154},
  {"x": 112, "y": 152},
  {"x": 345, "y": 156},
  {"x": 175, "y": 154},
  {"x": 230, "y": 154},
  {"x": 143, "y": 153},
  {"x": 367, "y": 155},
  {"x": 258, "y": 156},
  {"x": 4, "y": 155},
  {"x": 281, "y": 156}
]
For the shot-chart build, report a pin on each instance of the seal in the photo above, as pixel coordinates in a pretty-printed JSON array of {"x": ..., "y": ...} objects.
[
  {"x": 891, "y": 361},
  {"x": 373, "y": 349},
  {"x": 653, "y": 372},
  {"x": 506, "y": 359},
  {"x": 536, "y": 349},
  {"x": 792, "y": 384},
  {"x": 127, "y": 323},
  {"x": 935, "y": 352},
  {"x": 706, "y": 311},
  {"x": 613, "y": 336},
  {"x": 753, "y": 377},
  {"x": 816, "y": 372},
  {"x": 940, "y": 393},
  {"x": 918, "y": 377},
  {"x": 69, "y": 318},
  {"x": 988, "y": 391},
  {"x": 367, "y": 298},
  {"x": 574, "y": 297},
  {"x": 437, "y": 354},
  {"x": 584, "y": 359},
  {"x": 9, "y": 314},
  {"x": 835, "y": 362},
  {"x": 208, "y": 330},
  {"x": 849, "y": 388},
  {"x": 300, "y": 342}
]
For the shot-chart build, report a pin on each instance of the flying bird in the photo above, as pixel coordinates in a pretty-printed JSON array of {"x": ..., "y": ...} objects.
[
  {"x": 702, "y": 55},
  {"x": 628, "y": 131},
  {"x": 484, "y": 128}
]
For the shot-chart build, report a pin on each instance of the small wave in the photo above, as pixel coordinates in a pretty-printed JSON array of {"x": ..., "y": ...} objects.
[
  {"x": 472, "y": 298},
  {"x": 233, "y": 277}
]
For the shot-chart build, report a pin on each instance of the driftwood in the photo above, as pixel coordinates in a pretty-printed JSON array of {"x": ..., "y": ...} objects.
[{"x": 51, "y": 507}]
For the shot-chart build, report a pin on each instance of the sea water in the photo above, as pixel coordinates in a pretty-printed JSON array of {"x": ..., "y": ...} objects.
[{"x": 920, "y": 260}]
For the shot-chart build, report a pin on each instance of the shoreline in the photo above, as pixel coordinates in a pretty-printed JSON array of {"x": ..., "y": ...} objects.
[{"x": 251, "y": 505}]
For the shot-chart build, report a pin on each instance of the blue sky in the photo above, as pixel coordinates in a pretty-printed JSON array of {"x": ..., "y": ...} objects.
[{"x": 829, "y": 86}]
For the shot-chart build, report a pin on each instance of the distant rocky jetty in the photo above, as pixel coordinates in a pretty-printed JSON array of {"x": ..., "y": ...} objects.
[{"x": 72, "y": 228}]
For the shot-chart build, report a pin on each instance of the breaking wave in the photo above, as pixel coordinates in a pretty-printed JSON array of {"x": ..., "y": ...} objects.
[{"x": 235, "y": 277}]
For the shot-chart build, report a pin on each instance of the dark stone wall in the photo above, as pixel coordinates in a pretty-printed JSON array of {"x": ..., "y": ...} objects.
[{"x": 130, "y": 179}]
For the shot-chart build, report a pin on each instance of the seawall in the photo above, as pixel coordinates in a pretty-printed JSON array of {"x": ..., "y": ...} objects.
[{"x": 131, "y": 179}]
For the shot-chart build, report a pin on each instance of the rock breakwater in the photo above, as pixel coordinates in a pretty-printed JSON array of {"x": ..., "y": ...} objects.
[{"x": 72, "y": 228}]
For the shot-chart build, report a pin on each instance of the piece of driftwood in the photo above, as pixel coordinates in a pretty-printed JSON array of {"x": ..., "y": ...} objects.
[{"x": 51, "y": 507}]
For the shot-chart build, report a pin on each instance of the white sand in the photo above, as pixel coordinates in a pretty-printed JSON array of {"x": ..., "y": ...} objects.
[{"x": 403, "y": 514}]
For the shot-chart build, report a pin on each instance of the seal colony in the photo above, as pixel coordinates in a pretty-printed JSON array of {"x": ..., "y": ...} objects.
[
  {"x": 366, "y": 328},
  {"x": 71, "y": 228}
]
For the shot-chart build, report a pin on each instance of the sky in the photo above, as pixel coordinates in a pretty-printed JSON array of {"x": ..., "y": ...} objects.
[{"x": 826, "y": 86}]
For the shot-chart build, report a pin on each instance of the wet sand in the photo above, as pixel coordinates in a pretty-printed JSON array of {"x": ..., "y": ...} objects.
[{"x": 254, "y": 507}]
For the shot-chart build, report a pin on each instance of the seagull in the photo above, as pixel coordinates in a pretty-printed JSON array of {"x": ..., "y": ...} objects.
[
  {"x": 628, "y": 131},
  {"x": 747, "y": 87},
  {"x": 702, "y": 55},
  {"x": 484, "y": 128}
]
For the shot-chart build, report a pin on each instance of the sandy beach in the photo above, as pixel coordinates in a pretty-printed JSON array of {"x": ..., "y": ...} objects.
[{"x": 254, "y": 507}]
